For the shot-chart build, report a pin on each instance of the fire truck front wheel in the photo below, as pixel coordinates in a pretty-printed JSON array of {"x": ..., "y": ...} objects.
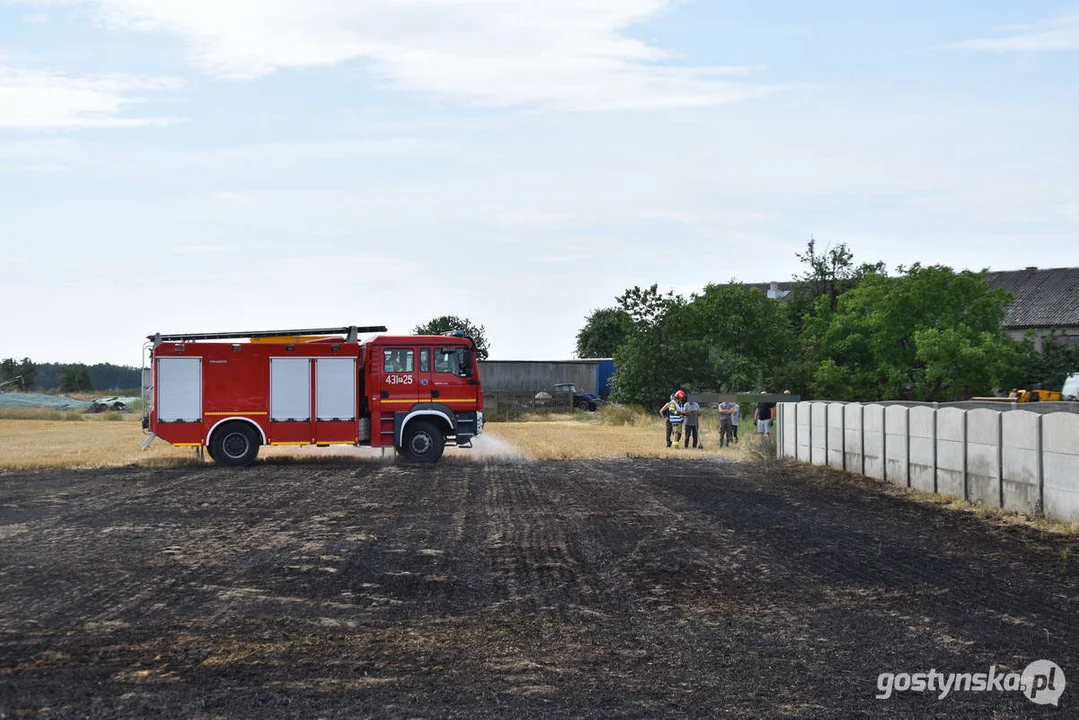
[
  {"x": 234, "y": 444},
  {"x": 423, "y": 442}
]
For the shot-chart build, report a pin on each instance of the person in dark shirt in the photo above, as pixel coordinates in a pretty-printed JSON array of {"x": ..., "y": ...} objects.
[{"x": 763, "y": 416}]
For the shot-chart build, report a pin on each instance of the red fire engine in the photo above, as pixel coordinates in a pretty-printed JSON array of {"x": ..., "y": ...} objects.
[{"x": 313, "y": 387}]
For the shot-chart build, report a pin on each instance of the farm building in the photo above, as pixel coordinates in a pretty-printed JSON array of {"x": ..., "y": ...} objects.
[
  {"x": 590, "y": 375},
  {"x": 1046, "y": 300}
]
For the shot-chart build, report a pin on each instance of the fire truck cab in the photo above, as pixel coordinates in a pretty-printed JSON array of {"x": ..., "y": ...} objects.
[{"x": 231, "y": 393}]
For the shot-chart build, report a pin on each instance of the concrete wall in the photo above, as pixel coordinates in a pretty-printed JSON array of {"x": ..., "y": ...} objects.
[
  {"x": 952, "y": 452},
  {"x": 922, "y": 453},
  {"x": 852, "y": 437},
  {"x": 873, "y": 440},
  {"x": 1060, "y": 465},
  {"x": 819, "y": 444},
  {"x": 835, "y": 436},
  {"x": 895, "y": 444},
  {"x": 983, "y": 456},
  {"x": 788, "y": 421},
  {"x": 1021, "y": 461},
  {"x": 1015, "y": 459},
  {"x": 804, "y": 429}
]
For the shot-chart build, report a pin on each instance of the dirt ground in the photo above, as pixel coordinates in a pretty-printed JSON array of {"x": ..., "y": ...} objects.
[{"x": 617, "y": 588}]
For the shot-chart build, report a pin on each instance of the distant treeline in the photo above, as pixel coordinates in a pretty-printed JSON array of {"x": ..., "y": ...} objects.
[
  {"x": 103, "y": 376},
  {"x": 47, "y": 376}
]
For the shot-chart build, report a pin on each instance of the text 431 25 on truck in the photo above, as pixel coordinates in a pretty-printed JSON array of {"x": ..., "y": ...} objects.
[{"x": 234, "y": 392}]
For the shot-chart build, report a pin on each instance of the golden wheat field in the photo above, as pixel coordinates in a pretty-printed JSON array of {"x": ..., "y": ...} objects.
[
  {"x": 83, "y": 442},
  {"x": 93, "y": 443},
  {"x": 581, "y": 440}
]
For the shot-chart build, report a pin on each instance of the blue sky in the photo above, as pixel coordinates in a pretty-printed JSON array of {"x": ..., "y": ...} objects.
[{"x": 192, "y": 165}]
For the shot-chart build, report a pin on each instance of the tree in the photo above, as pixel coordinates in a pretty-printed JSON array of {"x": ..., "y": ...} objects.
[
  {"x": 451, "y": 323},
  {"x": 649, "y": 306},
  {"x": 661, "y": 352},
  {"x": 75, "y": 378},
  {"x": 25, "y": 369},
  {"x": 9, "y": 369},
  {"x": 603, "y": 333},
  {"x": 28, "y": 369},
  {"x": 828, "y": 274},
  {"x": 749, "y": 336},
  {"x": 930, "y": 334},
  {"x": 1048, "y": 368}
]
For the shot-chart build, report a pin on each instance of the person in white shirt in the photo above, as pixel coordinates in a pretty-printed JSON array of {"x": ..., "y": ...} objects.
[{"x": 692, "y": 411}]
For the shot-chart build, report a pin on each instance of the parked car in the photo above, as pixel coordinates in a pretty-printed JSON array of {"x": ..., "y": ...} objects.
[
  {"x": 1070, "y": 391},
  {"x": 582, "y": 400}
]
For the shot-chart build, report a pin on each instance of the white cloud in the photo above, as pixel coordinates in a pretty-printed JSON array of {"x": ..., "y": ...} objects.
[
  {"x": 1061, "y": 33},
  {"x": 201, "y": 249},
  {"x": 559, "y": 54},
  {"x": 39, "y": 99}
]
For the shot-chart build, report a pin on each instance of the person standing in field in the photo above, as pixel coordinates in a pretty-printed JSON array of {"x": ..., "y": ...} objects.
[
  {"x": 763, "y": 416},
  {"x": 692, "y": 412},
  {"x": 672, "y": 413},
  {"x": 735, "y": 417},
  {"x": 727, "y": 410}
]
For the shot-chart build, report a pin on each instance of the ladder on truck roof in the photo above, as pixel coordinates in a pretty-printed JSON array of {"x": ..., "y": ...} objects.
[{"x": 352, "y": 332}]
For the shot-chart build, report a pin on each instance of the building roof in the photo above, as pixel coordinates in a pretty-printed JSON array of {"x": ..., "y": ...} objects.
[{"x": 1043, "y": 298}]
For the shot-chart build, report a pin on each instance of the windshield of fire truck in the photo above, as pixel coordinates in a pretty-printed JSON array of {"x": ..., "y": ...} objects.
[{"x": 451, "y": 360}]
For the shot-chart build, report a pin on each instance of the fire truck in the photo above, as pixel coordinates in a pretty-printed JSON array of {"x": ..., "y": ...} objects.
[{"x": 230, "y": 393}]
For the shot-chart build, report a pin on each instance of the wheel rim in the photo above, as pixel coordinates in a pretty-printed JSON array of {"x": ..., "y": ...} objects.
[
  {"x": 235, "y": 445},
  {"x": 421, "y": 443}
]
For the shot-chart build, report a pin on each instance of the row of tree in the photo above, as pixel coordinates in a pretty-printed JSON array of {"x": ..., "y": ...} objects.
[
  {"x": 846, "y": 332},
  {"x": 75, "y": 377}
]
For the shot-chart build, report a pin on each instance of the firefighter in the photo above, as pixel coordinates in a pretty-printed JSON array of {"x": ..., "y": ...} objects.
[{"x": 673, "y": 413}]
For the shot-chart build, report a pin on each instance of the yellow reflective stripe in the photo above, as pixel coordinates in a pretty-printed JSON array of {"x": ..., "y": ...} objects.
[
  {"x": 430, "y": 400},
  {"x": 234, "y": 412},
  {"x": 198, "y": 444},
  {"x": 302, "y": 442}
]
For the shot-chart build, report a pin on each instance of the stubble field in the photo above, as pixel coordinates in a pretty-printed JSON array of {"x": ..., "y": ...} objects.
[{"x": 495, "y": 585}]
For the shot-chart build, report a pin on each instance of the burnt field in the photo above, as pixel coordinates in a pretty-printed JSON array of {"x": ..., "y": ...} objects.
[{"x": 648, "y": 588}]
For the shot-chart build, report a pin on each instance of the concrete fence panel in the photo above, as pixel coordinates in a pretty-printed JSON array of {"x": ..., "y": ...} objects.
[
  {"x": 951, "y": 451},
  {"x": 835, "y": 436},
  {"x": 896, "y": 466},
  {"x": 1021, "y": 461},
  {"x": 804, "y": 430},
  {"x": 873, "y": 440},
  {"x": 852, "y": 437},
  {"x": 788, "y": 417},
  {"x": 922, "y": 459},
  {"x": 1014, "y": 459},
  {"x": 1060, "y": 462},
  {"x": 983, "y": 456},
  {"x": 818, "y": 450}
]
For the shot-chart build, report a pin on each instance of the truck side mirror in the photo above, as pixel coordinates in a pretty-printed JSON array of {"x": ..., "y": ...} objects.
[{"x": 466, "y": 364}]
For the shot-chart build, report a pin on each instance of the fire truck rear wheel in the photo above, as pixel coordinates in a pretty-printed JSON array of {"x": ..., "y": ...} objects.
[
  {"x": 423, "y": 442},
  {"x": 234, "y": 444}
]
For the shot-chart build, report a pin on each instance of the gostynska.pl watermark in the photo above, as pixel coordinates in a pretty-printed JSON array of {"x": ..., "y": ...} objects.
[{"x": 1042, "y": 682}]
